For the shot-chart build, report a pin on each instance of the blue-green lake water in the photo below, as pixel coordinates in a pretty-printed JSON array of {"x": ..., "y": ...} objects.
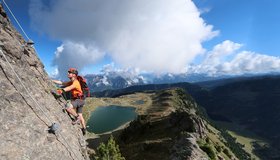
[{"x": 104, "y": 119}]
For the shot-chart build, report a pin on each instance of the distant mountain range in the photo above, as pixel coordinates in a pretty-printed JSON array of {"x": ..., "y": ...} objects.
[
  {"x": 176, "y": 78},
  {"x": 115, "y": 80},
  {"x": 104, "y": 82}
]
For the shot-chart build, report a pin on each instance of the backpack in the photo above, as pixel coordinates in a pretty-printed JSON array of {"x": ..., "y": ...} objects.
[{"x": 84, "y": 86}]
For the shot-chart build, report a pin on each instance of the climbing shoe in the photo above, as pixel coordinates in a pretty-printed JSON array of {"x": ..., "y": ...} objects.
[{"x": 84, "y": 130}]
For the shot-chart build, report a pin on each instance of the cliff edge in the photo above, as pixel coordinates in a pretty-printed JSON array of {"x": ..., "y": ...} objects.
[
  {"x": 168, "y": 129},
  {"x": 27, "y": 109}
]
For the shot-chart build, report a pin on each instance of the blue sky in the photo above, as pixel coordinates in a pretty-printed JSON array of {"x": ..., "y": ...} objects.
[
  {"x": 252, "y": 22},
  {"x": 160, "y": 36}
]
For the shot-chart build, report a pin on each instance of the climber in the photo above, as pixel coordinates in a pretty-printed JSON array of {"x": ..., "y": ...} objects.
[{"x": 74, "y": 107}]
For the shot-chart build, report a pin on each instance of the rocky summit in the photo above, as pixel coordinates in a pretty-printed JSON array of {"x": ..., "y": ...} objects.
[
  {"x": 168, "y": 129},
  {"x": 27, "y": 109}
]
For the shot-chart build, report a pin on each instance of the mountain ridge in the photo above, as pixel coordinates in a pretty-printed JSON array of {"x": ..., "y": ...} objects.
[
  {"x": 252, "y": 103},
  {"x": 169, "y": 126},
  {"x": 119, "y": 79}
]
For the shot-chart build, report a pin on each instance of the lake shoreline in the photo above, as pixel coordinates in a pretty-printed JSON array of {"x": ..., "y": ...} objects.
[
  {"x": 93, "y": 139},
  {"x": 109, "y": 118}
]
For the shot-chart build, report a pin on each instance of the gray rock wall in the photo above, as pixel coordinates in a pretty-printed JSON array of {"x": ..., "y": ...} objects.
[{"x": 27, "y": 108}]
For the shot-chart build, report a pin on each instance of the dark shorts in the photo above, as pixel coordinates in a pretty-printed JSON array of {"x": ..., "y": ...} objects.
[{"x": 78, "y": 104}]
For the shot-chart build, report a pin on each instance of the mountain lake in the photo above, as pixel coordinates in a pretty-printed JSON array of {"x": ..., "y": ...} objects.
[{"x": 109, "y": 118}]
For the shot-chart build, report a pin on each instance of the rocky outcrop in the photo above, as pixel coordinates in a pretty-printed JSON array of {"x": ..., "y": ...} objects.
[
  {"x": 27, "y": 108},
  {"x": 168, "y": 130}
]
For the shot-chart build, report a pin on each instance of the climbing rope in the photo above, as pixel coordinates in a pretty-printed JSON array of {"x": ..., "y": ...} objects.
[
  {"x": 27, "y": 91},
  {"x": 15, "y": 19},
  {"x": 54, "y": 126}
]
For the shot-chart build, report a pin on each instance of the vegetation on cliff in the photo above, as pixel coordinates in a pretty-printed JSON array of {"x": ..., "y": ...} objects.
[{"x": 108, "y": 151}]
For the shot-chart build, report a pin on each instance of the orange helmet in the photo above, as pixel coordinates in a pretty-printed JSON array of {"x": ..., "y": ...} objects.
[{"x": 73, "y": 70}]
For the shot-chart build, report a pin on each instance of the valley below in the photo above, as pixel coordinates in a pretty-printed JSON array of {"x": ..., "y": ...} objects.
[{"x": 169, "y": 125}]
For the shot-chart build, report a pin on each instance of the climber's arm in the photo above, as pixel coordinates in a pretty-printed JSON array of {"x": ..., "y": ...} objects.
[
  {"x": 61, "y": 83},
  {"x": 69, "y": 88}
]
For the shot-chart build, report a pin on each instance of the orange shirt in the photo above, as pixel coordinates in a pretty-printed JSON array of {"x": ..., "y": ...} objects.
[{"x": 77, "y": 91}]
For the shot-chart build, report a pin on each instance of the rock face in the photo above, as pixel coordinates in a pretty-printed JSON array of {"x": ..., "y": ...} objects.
[
  {"x": 27, "y": 108},
  {"x": 168, "y": 130}
]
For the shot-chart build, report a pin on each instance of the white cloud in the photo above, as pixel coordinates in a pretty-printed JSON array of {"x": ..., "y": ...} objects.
[
  {"x": 217, "y": 61},
  {"x": 250, "y": 62},
  {"x": 54, "y": 73},
  {"x": 75, "y": 55},
  {"x": 151, "y": 35},
  {"x": 112, "y": 71},
  {"x": 220, "y": 51}
]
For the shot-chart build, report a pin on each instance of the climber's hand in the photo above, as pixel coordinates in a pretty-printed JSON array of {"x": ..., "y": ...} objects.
[{"x": 59, "y": 91}]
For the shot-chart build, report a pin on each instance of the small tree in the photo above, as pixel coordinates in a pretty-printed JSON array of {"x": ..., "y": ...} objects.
[
  {"x": 110, "y": 151},
  {"x": 210, "y": 152},
  {"x": 226, "y": 151}
]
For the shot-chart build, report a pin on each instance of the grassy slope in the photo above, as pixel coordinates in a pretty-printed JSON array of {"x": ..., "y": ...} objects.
[
  {"x": 247, "y": 142},
  {"x": 214, "y": 136},
  {"x": 244, "y": 137},
  {"x": 254, "y": 105},
  {"x": 127, "y": 100},
  {"x": 141, "y": 108}
]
